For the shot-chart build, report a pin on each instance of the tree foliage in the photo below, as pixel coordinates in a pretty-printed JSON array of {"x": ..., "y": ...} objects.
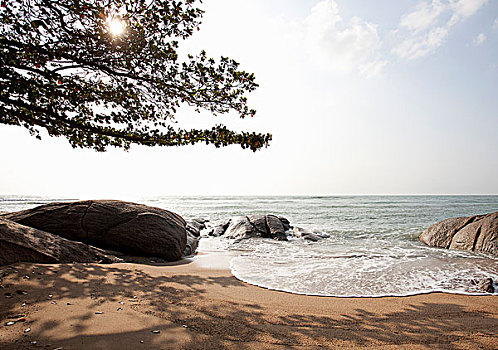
[{"x": 63, "y": 70}]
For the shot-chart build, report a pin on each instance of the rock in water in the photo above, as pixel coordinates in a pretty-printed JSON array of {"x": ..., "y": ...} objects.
[
  {"x": 276, "y": 228},
  {"x": 476, "y": 233},
  {"x": 21, "y": 243},
  {"x": 219, "y": 227},
  {"x": 486, "y": 286},
  {"x": 259, "y": 225},
  {"x": 126, "y": 227},
  {"x": 264, "y": 226},
  {"x": 240, "y": 228}
]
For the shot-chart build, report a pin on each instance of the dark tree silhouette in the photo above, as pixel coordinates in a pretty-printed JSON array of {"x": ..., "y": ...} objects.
[{"x": 65, "y": 68}]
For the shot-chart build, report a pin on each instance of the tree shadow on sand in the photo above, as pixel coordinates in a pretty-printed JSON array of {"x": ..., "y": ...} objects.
[{"x": 218, "y": 322}]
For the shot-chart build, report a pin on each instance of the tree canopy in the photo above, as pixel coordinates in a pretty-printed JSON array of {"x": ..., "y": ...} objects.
[{"x": 65, "y": 68}]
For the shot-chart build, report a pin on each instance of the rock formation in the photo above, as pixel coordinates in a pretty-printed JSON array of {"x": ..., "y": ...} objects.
[
  {"x": 22, "y": 243},
  {"x": 129, "y": 228},
  {"x": 476, "y": 233},
  {"x": 111, "y": 231},
  {"x": 242, "y": 227}
]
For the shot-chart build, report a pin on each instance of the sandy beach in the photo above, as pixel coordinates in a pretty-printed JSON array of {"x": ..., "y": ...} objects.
[{"x": 198, "y": 304}]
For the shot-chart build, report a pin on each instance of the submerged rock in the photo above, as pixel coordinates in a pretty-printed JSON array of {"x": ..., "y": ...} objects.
[
  {"x": 300, "y": 232},
  {"x": 476, "y": 233},
  {"x": 19, "y": 243},
  {"x": 129, "y": 228}
]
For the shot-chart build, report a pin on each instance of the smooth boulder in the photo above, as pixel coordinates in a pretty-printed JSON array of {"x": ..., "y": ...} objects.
[
  {"x": 19, "y": 243},
  {"x": 129, "y": 228},
  {"x": 477, "y": 233}
]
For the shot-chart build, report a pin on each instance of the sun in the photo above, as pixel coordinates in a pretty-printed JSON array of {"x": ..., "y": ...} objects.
[{"x": 116, "y": 26}]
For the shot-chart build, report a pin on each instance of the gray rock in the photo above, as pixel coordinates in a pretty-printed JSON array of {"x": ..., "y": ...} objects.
[
  {"x": 312, "y": 237},
  {"x": 476, "y": 233},
  {"x": 486, "y": 286},
  {"x": 275, "y": 228},
  {"x": 285, "y": 223},
  {"x": 218, "y": 228},
  {"x": 196, "y": 225},
  {"x": 259, "y": 224},
  {"x": 192, "y": 230},
  {"x": 192, "y": 244},
  {"x": 19, "y": 243},
  {"x": 300, "y": 232},
  {"x": 240, "y": 228},
  {"x": 130, "y": 228}
]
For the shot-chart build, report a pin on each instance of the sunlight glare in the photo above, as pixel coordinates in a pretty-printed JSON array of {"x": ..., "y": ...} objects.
[{"x": 116, "y": 26}]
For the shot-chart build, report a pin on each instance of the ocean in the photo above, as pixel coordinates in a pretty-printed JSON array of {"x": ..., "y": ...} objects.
[{"x": 372, "y": 251}]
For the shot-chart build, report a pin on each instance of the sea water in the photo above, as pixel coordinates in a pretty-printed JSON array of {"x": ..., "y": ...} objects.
[{"x": 373, "y": 249}]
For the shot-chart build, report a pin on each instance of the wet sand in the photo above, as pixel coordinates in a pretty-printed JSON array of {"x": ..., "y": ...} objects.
[{"x": 198, "y": 304}]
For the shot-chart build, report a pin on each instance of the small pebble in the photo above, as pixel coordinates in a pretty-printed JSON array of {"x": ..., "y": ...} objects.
[
  {"x": 156, "y": 332},
  {"x": 27, "y": 330},
  {"x": 184, "y": 325},
  {"x": 10, "y": 323},
  {"x": 23, "y": 304},
  {"x": 54, "y": 302},
  {"x": 50, "y": 296},
  {"x": 98, "y": 312},
  {"x": 121, "y": 302},
  {"x": 141, "y": 341},
  {"x": 69, "y": 304},
  {"x": 34, "y": 342},
  {"x": 119, "y": 309}
]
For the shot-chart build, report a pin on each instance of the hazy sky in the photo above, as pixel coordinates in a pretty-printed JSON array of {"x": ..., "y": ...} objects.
[{"x": 362, "y": 97}]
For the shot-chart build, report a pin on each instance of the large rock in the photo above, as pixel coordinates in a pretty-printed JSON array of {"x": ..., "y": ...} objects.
[
  {"x": 22, "y": 243},
  {"x": 130, "y": 228},
  {"x": 276, "y": 228},
  {"x": 242, "y": 227},
  {"x": 476, "y": 233}
]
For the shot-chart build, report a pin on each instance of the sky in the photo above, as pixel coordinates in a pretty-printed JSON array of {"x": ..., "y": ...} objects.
[{"x": 361, "y": 97}]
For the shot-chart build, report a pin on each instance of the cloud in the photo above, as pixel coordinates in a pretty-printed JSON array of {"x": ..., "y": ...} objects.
[
  {"x": 422, "y": 31},
  {"x": 342, "y": 47},
  {"x": 478, "y": 40},
  {"x": 423, "y": 17}
]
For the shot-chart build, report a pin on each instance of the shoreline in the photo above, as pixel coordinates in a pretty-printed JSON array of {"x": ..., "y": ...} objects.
[{"x": 198, "y": 304}]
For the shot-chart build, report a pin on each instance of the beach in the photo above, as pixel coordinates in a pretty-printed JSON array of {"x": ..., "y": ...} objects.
[{"x": 196, "y": 303}]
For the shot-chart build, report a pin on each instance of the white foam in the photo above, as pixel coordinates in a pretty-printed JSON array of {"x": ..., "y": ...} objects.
[{"x": 367, "y": 271}]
